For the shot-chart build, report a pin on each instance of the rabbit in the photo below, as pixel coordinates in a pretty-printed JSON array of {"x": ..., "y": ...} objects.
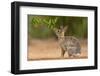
[{"x": 69, "y": 44}]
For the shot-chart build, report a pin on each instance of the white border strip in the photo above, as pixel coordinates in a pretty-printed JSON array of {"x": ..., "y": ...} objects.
[{"x": 24, "y": 64}]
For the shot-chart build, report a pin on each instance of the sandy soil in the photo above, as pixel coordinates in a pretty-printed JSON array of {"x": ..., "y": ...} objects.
[{"x": 50, "y": 49}]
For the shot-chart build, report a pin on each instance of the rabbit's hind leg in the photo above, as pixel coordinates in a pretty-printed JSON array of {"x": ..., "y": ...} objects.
[{"x": 70, "y": 54}]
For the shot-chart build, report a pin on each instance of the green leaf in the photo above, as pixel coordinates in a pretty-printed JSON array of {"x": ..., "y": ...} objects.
[
  {"x": 49, "y": 21},
  {"x": 45, "y": 21},
  {"x": 56, "y": 19}
]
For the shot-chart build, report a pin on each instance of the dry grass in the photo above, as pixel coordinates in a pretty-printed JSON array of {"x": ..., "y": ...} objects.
[{"x": 50, "y": 49}]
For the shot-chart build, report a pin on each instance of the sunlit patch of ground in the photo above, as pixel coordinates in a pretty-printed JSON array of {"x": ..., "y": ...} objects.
[{"x": 50, "y": 49}]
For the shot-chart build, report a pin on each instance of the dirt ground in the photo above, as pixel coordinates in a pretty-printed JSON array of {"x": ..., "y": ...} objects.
[{"x": 50, "y": 49}]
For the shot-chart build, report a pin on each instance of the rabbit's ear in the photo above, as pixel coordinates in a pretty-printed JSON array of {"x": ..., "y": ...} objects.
[
  {"x": 65, "y": 28},
  {"x": 61, "y": 27}
]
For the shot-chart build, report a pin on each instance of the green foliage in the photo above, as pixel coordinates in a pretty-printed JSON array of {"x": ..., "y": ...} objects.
[
  {"x": 77, "y": 26},
  {"x": 49, "y": 21},
  {"x": 41, "y": 26}
]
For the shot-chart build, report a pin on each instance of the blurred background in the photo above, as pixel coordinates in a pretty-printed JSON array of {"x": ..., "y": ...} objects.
[
  {"x": 41, "y": 26},
  {"x": 43, "y": 42}
]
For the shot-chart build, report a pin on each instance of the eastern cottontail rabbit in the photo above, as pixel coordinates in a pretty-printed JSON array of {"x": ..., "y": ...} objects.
[{"x": 68, "y": 43}]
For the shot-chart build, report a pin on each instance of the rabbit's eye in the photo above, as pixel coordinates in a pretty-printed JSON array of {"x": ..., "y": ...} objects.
[{"x": 58, "y": 30}]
